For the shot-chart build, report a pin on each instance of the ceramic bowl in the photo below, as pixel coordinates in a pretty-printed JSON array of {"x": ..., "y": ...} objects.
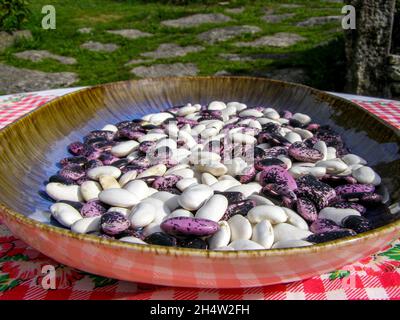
[{"x": 31, "y": 147}]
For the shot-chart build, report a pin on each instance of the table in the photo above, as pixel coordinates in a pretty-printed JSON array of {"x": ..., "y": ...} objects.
[{"x": 375, "y": 277}]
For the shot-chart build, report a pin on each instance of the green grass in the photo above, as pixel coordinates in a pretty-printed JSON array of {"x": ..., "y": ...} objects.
[{"x": 101, "y": 15}]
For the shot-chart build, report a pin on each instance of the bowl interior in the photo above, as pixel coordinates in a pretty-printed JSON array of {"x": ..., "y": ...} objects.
[{"x": 31, "y": 147}]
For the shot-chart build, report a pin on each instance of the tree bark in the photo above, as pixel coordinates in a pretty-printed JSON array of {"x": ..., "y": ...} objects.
[{"x": 368, "y": 47}]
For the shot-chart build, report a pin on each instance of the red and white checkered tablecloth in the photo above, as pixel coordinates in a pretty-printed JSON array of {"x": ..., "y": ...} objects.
[{"x": 375, "y": 277}]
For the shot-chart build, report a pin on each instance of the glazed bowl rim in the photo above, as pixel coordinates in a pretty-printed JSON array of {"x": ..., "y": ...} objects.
[{"x": 177, "y": 251}]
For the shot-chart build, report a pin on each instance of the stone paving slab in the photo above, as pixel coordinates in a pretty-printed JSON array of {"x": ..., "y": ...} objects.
[
  {"x": 234, "y": 57},
  {"x": 171, "y": 50},
  {"x": 130, "y": 33},
  {"x": 85, "y": 30},
  {"x": 99, "y": 47},
  {"x": 40, "y": 55},
  {"x": 165, "y": 70},
  {"x": 223, "y": 34},
  {"x": 15, "y": 80},
  {"x": 235, "y": 10},
  {"x": 317, "y": 21},
  {"x": 8, "y": 39},
  {"x": 276, "y": 18},
  {"x": 136, "y": 61},
  {"x": 196, "y": 20},
  {"x": 281, "y": 40}
]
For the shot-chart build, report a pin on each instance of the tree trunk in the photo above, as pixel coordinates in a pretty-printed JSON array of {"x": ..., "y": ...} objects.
[{"x": 368, "y": 47}]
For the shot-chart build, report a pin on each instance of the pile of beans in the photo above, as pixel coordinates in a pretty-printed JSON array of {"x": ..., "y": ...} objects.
[{"x": 218, "y": 177}]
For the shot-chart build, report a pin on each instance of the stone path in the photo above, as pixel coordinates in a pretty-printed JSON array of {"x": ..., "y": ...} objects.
[
  {"x": 235, "y": 57},
  {"x": 85, "y": 30},
  {"x": 164, "y": 70},
  {"x": 222, "y": 34},
  {"x": 14, "y": 80},
  {"x": 7, "y": 39},
  {"x": 235, "y": 10},
  {"x": 40, "y": 55},
  {"x": 99, "y": 47},
  {"x": 171, "y": 50},
  {"x": 281, "y": 40},
  {"x": 130, "y": 33},
  {"x": 291, "y": 6},
  {"x": 317, "y": 21},
  {"x": 276, "y": 18},
  {"x": 196, "y": 20},
  {"x": 136, "y": 61}
]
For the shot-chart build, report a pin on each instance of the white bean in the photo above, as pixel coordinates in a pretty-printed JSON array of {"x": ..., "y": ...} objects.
[
  {"x": 243, "y": 244},
  {"x": 263, "y": 234},
  {"x": 142, "y": 215},
  {"x": 86, "y": 225},
  {"x": 90, "y": 190},
  {"x": 59, "y": 191},
  {"x": 240, "y": 228},
  {"x": 194, "y": 197},
  {"x": 124, "y": 148},
  {"x": 221, "y": 238},
  {"x": 285, "y": 231},
  {"x": 214, "y": 209},
  {"x": 139, "y": 188},
  {"x": 65, "y": 214},
  {"x": 126, "y": 177},
  {"x": 274, "y": 214},
  {"x": 118, "y": 198},
  {"x": 95, "y": 173}
]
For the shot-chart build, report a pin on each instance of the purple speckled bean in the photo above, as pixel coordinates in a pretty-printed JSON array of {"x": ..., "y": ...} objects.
[
  {"x": 263, "y": 164},
  {"x": 73, "y": 172},
  {"x": 330, "y": 236},
  {"x": 146, "y": 146},
  {"x": 130, "y": 132},
  {"x": 313, "y": 127},
  {"x": 240, "y": 207},
  {"x": 108, "y": 135},
  {"x": 306, "y": 209},
  {"x": 107, "y": 158},
  {"x": 354, "y": 188},
  {"x": 186, "y": 226},
  {"x": 232, "y": 196},
  {"x": 247, "y": 175},
  {"x": 370, "y": 198},
  {"x": 324, "y": 225},
  {"x": 356, "y": 223},
  {"x": 183, "y": 121},
  {"x": 286, "y": 114},
  {"x": 82, "y": 180},
  {"x": 113, "y": 223},
  {"x": 276, "y": 151},
  {"x": 93, "y": 164},
  {"x": 60, "y": 179},
  {"x": 93, "y": 208},
  {"x": 103, "y": 145},
  {"x": 161, "y": 239},
  {"x": 76, "y": 148},
  {"x": 77, "y": 160},
  {"x": 301, "y": 152},
  {"x": 166, "y": 182},
  {"x": 338, "y": 180},
  {"x": 350, "y": 205},
  {"x": 318, "y": 192},
  {"x": 278, "y": 175}
]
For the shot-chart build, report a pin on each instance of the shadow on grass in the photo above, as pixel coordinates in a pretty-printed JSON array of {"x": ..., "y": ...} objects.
[{"x": 324, "y": 66}]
